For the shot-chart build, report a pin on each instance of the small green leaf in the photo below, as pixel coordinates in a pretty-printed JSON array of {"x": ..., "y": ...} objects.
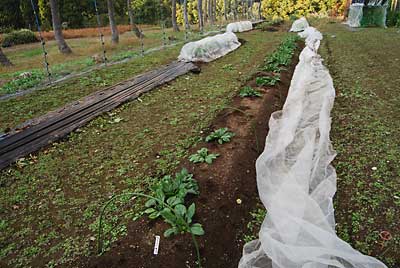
[
  {"x": 149, "y": 210},
  {"x": 173, "y": 201},
  {"x": 180, "y": 210},
  {"x": 150, "y": 203},
  {"x": 154, "y": 215},
  {"x": 197, "y": 229},
  {"x": 170, "y": 232},
  {"x": 190, "y": 212},
  {"x": 168, "y": 215}
]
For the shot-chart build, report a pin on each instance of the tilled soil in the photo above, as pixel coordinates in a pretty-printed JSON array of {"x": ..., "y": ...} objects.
[{"x": 231, "y": 177}]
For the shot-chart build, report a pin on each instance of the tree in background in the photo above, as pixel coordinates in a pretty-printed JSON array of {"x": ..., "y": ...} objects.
[
  {"x": 135, "y": 28},
  {"x": 113, "y": 24},
  {"x": 55, "y": 15},
  {"x": 173, "y": 16},
  {"x": 4, "y": 60},
  {"x": 200, "y": 12},
  {"x": 185, "y": 15},
  {"x": 10, "y": 15}
]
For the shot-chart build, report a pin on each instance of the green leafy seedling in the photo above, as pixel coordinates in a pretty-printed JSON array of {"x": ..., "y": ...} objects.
[
  {"x": 172, "y": 191},
  {"x": 180, "y": 220},
  {"x": 202, "y": 156},
  {"x": 221, "y": 135},
  {"x": 267, "y": 80},
  {"x": 249, "y": 92}
]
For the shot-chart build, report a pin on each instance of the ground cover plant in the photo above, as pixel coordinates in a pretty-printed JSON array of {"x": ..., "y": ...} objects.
[{"x": 49, "y": 204}]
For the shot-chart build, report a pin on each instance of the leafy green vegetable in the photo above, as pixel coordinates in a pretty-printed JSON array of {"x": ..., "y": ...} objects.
[
  {"x": 222, "y": 135},
  {"x": 202, "y": 156},
  {"x": 249, "y": 92},
  {"x": 267, "y": 80}
]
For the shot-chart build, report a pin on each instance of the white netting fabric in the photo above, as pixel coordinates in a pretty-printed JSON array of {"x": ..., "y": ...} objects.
[
  {"x": 299, "y": 25},
  {"x": 209, "y": 48},
  {"x": 296, "y": 181},
  {"x": 240, "y": 26},
  {"x": 355, "y": 15},
  {"x": 312, "y": 37}
]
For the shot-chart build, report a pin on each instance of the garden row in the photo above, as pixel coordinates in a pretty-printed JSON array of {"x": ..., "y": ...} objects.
[{"x": 168, "y": 198}]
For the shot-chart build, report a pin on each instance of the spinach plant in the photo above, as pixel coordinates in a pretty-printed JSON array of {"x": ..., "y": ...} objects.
[
  {"x": 249, "y": 92},
  {"x": 202, "y": 156},
  {"x": 267, "y": 80},
  {"x": 222, "y": 135}
]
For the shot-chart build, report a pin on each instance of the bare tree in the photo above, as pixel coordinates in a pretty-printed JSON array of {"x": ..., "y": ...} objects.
[
  {"x": 185, "y": 15},
  {"x": 206, "y": 11},
  {"x": 134, "y": 27},
  {"x": 4, "y": 60},
  {"x": 225, "y": 10},
  {"x": 113, "y": 24},
  {"x": 200, "y": 12},
  {"x": 55, "y": 15},
  {"x": 173, "y": 14},
  {"x": 235, "y": 9},
  {"x": 210, "y": 11}
]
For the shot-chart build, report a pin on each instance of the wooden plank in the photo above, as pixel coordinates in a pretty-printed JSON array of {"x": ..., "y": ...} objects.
[
  {"x": 60, "y": 123},
  {"x": 93, "y": 99}
]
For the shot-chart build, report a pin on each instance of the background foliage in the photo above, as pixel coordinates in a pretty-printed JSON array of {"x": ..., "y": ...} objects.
[{"x": 17, "y": 14}]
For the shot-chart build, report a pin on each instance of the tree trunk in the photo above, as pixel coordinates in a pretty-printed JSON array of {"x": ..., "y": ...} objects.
[
  {"x": 113, "y": 24},
  {"x": 210, "y": 11},
  {"x": 4, "y": 60},
  {"x": 173, "y": 14},
  {"x": 185, "y": 15},
  {"x": 134, "y": 27},
  {"x": 206, "y": 10},
  {"x": 225, "y": 10},
  {"x": 214, "y": 11},
  {"x": 235, "y": 9},
  {"x": 259, "y": 10},
  {"x": 55, "y": 15},
  {"x": 200, "y": 14}
]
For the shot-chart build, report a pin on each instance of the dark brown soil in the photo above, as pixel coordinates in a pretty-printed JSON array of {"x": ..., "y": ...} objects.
[{"x": 231, "y": 177}]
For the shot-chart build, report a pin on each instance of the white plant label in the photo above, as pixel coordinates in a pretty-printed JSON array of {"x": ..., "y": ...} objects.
[{"x": 156, "y": 244}]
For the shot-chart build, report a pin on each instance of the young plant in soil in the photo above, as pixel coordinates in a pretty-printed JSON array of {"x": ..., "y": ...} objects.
[
  {"x": 223, "y": 135},
  {"x": 282, "y": 56},
  {"x": 202, "y": 156},
  {"x": 166, "y": 200},
  {"x": 172, "y": 191},
  {"x": 267, "y": 80},
  {"x": 249, "y": 92}
]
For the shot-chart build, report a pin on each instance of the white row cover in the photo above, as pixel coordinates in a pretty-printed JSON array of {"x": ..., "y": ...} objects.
[
  {"x": 299, "y": 25},
  {"x": 296, "y": 181},
  {"x": 240, "y": 26},
  {"x": 209, "y": 48},
  {"x": 355, "y": 15}
]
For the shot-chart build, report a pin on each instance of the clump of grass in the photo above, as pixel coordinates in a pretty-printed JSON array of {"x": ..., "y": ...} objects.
[{"x": 22, "y": 83}]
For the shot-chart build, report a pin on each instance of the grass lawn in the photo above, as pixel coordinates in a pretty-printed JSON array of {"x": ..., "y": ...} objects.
[
  {"x": 49, "y": 202},
  {"x": 29, "y": 57},
  {"x": 366, "y": 134}
]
